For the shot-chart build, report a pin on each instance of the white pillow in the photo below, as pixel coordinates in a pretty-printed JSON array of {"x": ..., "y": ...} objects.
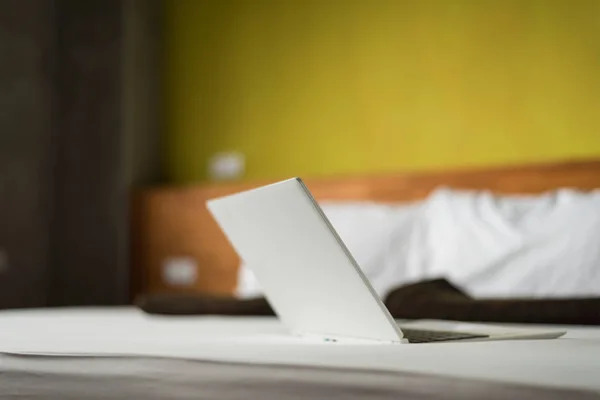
[
  {"x": 368, "y": 229},
  {"x": 490, "y": 246},
  {"x": 509, "y": 246}
]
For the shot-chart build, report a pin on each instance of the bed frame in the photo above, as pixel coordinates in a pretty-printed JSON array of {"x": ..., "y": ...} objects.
[{"x": 173, "y": 221}]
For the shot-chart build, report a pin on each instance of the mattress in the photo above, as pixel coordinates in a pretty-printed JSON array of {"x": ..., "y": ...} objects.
[{"x": 124, "y": 353}]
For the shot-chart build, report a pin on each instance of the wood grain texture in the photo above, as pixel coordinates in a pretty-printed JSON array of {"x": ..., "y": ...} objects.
[{"x": 174, "y": 221}]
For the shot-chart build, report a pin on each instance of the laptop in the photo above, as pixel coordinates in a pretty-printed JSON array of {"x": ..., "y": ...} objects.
[{"x": 310, "y": 278}]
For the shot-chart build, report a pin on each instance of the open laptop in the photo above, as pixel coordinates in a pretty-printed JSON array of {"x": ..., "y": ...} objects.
[{"x": 310, "y": 278}]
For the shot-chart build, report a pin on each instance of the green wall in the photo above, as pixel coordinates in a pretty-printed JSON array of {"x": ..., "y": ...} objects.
[{"x": 332, "y": 87}]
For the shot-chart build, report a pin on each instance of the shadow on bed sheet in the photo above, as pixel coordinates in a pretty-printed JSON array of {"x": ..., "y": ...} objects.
[{"x": 435, "y": 299}]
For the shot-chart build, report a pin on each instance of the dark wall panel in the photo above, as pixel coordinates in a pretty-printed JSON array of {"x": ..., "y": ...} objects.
[
  {"x": 26, "y": 149},
  {"x": 90, "y": 265},
  {"x": 79, "y": 126}
]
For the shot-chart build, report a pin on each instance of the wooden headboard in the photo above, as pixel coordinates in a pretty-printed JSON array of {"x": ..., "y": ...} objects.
[{"x": 173, "y": 221}]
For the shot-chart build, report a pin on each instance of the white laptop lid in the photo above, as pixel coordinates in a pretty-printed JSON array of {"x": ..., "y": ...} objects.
[{"x": 307, "y": 274}]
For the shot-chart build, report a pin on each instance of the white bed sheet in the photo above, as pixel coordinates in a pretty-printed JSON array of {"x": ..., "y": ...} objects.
[{"x": 569, "y": 362}]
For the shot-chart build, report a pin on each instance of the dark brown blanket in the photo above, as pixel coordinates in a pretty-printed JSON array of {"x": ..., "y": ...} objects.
[{"x": 435, "y": 299}]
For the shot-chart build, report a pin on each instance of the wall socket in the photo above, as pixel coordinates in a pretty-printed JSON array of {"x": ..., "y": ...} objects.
[
  {"x": 3, "y": 260},
  {"x": 180, "y": 271}
]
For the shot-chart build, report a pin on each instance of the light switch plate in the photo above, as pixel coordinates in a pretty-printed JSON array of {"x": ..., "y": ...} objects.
[{"x": 226, "y": 166}]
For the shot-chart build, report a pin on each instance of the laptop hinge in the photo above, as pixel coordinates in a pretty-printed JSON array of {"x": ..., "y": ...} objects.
[{"x": 314, "y": 338}]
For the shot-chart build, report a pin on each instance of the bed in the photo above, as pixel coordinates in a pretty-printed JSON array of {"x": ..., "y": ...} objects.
[
  {"x": 169, "y": 221},
  {"x": 125, "y": 352}
]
